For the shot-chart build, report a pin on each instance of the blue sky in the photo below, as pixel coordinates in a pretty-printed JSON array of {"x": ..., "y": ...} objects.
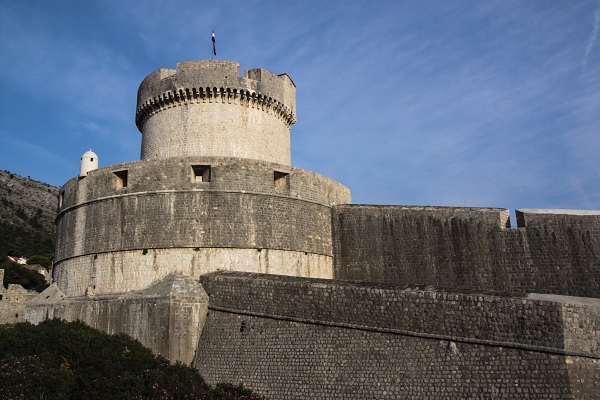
[{"x": 457, "y": 103}]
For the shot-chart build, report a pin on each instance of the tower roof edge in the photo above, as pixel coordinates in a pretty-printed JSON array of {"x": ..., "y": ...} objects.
[{"x": 210, "y": 75}]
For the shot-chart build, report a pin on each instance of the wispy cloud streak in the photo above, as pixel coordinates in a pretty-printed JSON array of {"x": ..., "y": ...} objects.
[{"x": 593, "y": 36}]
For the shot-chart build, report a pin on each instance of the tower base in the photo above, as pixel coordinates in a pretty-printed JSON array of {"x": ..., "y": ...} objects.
[{"x": 167, "y": 317}]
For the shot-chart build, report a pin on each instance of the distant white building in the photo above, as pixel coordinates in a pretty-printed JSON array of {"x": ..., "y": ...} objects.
[{"x": 18, "y": 260}]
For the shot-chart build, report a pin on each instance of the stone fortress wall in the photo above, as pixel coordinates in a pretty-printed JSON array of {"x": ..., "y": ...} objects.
[
  {"x": 13, "y": 300},
  {"x": 204, "y": 108},
  {"x": 148, "y": 248},
  {"x": 551, "y": 251},
  {"x": 291, "y": 338},
  {"x": 244, "y": 215},
  {"x": 167, "y": 316}
]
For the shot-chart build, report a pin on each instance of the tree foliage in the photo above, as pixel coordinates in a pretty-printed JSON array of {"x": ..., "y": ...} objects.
[
  {"x": 43, "y": 260},
  {"x": 70, "y": 360},
  {"x": 15, "y": 273},
  {"x": 21, "y": 240}
]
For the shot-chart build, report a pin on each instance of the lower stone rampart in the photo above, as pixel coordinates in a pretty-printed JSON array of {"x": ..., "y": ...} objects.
[
  {"x": 551, "y": 251},
  {"x": 308, "y": 338},
  {"x": 13, "y": 301},
  {"x": 167, "y": 317}
]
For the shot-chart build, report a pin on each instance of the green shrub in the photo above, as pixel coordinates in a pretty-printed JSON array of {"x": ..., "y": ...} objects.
[
  {"x": 70, "y": 360},
  {"x": 44, "y": 261},
  {"x": 15, "y": 273}
]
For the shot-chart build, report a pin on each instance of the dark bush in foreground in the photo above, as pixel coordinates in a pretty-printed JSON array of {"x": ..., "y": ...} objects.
[{"x": 70, "y": 360}]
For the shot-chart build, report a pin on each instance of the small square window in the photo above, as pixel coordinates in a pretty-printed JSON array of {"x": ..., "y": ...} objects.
[
  {"x": 121, "y": 179},
  {"x": 281, "y": 179},
  {"x": 200, "y": 173}
]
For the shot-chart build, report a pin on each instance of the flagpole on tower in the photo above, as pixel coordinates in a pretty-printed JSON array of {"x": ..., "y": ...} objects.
[{"x": 214, "y": 49}]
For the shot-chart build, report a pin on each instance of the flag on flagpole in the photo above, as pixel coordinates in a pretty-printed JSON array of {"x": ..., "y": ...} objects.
[{"x": 213, "y": 40}]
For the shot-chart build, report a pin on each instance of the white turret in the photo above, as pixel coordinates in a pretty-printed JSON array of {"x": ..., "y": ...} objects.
[{"x": 89, "y": 162}]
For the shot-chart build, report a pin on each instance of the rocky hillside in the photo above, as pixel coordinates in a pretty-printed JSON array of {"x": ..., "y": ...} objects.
[{"x": 27, "y": 211}]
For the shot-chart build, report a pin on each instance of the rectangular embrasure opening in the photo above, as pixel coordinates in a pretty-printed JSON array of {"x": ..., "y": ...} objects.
[
  {"x": 200, "y": 173},
  {"x": 281, "y": 179},
  {"x": 121, "y": 179}
]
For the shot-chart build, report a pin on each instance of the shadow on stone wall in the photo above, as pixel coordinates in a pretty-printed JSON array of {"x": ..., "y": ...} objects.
[
  {"x": 552, "y": 251},
  {"x": 308, "y": 338}
]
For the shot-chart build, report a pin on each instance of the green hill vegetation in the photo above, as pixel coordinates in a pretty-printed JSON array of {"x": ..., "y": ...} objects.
[
  {"x": 27, "y": 211},
  {"x": 15, "y": 273},
  {"x": 23, "y": 241},
  {"x": 70, "y": 360}
]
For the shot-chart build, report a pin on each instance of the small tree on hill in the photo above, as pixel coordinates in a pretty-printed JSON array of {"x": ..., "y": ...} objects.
[{"x": 43, "y": 260}]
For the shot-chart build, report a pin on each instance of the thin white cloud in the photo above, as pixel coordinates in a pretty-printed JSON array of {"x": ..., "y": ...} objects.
[
  {"x": 30, "y": 152},
  {"x": 593, "y": 37}
]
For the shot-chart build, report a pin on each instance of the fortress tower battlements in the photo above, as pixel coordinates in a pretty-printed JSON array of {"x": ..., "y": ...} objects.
[{"x": 204, "y": 108}]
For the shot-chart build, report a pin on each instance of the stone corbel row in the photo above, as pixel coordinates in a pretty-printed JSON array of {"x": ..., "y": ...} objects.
[{"x": 217, "y": 95}]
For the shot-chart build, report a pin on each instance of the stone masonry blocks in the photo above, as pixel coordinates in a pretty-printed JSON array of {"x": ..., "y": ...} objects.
[
  {"x": 205, "y": 108},
  {"x": 554, "y": 252},
  {"x": 167, "y": 317},
  {"x": 113, "y": 239},
  {"x": 293, "y": 338}
]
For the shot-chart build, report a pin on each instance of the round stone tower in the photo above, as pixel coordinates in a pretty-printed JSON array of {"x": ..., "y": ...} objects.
[
  {"x": 214, "y": 189},
  {"x": 204, "y": 108}
]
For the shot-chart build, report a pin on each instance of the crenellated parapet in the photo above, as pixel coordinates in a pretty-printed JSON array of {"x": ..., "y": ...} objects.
[
  {"x": 218, "y": 74},
  {"x": 205, "y": 108}
]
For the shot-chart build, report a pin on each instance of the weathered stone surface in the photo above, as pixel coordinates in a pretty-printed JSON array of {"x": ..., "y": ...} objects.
[
  {"x": 477, "y": 317},
  {"x": 12, "y": 302},
  {"x": 167, "y": 317},
  {"x": 165, "y": 221},
  {"x": 294, "y": 338},
  {"x": 205, "y": 108},
  {"x": 123, "y": 271},
  {"x": 469, "y": 248}
]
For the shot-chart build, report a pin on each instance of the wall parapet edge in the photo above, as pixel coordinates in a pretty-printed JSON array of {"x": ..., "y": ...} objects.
[
  {"x": 486, "y": 319},
  {"x": 491, "y": 215},
  {"x": 551, "y": 251},
  {"x": 230, "y": 174},
  {"x": 524, "y": 215}
]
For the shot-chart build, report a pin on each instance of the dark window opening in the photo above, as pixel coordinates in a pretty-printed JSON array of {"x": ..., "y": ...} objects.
[
  {"x": 200, "y": 173},
  {"x": 281, "y": 179},
  {"x": 121, "y": 179}
]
